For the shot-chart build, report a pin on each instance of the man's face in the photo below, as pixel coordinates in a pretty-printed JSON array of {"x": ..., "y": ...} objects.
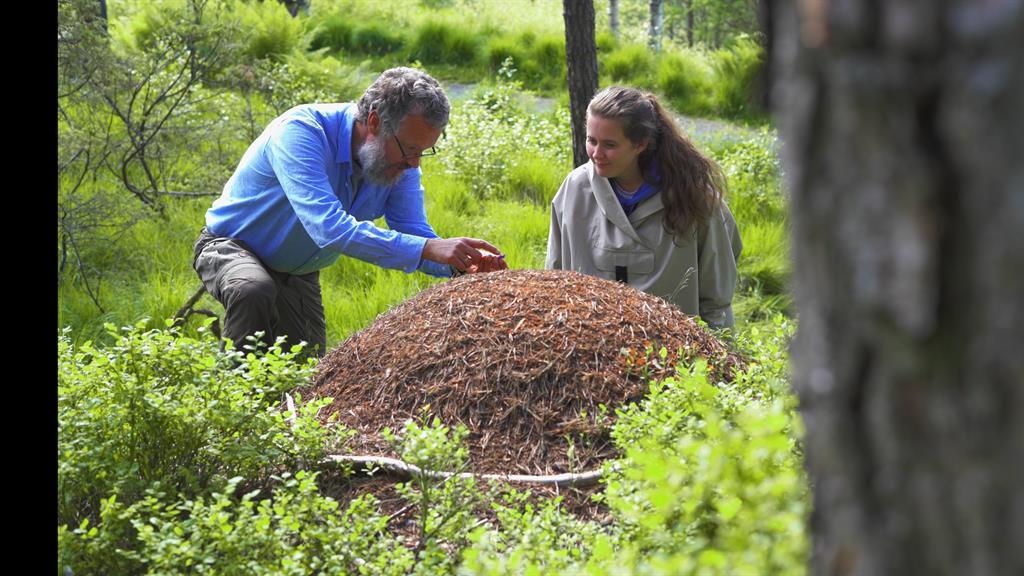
[{"x": 384, "y": 157}]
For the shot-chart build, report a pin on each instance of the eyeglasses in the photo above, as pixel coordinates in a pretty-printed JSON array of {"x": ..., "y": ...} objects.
[{"x": 428, "y": 152}]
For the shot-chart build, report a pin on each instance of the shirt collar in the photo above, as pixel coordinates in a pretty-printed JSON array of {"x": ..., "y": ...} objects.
[{"x": 348, "y": 120}]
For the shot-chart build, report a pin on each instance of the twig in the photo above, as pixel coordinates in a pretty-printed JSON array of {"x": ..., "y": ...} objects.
[
  {"x": 403, "y": 470},
  {"x": 188, "y": 194},
  {"x": 181, "y": 316},
  {"x": 291, "y": 409}
]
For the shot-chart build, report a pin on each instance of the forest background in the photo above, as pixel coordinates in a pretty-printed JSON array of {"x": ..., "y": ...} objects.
[{"x": 157, "y": 468}]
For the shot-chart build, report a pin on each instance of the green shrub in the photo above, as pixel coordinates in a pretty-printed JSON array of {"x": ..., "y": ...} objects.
[
  {"x": 734, "y": 71},
  {"x": 752, "y": 167},
  {"x": 605, "y": 41},
  {"x": 764, "y": 264},
  {"x": 298, "y": 531},
  {"x": 630, "y": 64},
  {"x": 445, "y": 506},
  {"x": 300, "y": 78},
  {"x": 438, "y": 42},
  {"x": 489, "y": 132},
  {"x": 548, "y": 55},
  {"x": 157, "y": 410},
  {"x": 500, "y": 48},
  {"x": 535, "y": 538},
  {"x": 335, "y": 32},
  {"x": 549, "y": 52},
  {"x": 711, "y": 483},
  {"x": 270, "y": 29},
  {"x": 685, "y": 81},
  {"x": 534, "y": 179},
  {"x": 162, "y": 30},
  {"x": 376, "y": 39},
  {"x": 539, "y": 60}
]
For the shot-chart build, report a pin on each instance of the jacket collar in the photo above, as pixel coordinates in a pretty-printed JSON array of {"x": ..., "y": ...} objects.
[
  {"x": 613, "y": 210},
  {"x": 647, "y": 208}
]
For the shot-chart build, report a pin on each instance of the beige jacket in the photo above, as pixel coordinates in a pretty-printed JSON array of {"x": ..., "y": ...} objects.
[{"x": 590, "y": 233}]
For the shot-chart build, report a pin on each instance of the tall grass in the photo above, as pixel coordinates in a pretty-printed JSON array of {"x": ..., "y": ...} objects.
[
  {"x": 629, "y": 64},
  {"x": 334, "y": 32},
  {"x": 684, "y": 79},
  {"x": 271, "y": 30},
  {"x": 534, "y": 178},
  {"x": 539, "y": 60},
  {"x": 735, "y": 69},
  {"x": 156, "y": 277},
  {"x": 438, "y": 41},
  {"x": 153, "y": 279},
  {"x": 499, "y": 168}
]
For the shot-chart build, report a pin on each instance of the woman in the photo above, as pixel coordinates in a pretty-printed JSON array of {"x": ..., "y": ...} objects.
[{"x": 647, "y": 210}]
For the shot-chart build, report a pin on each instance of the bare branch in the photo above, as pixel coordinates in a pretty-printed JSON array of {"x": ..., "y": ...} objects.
[{"x": 400, "y": 469}]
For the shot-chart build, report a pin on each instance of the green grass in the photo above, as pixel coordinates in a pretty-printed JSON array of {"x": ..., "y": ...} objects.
[
  {"x": 438, "y": 41},
  {"x": 500, "y": 166},
  {"x": 735, "y": 68},
  {"x": 144, "y": 424},
  {"x": 631, "y": 64},
  {"x": 535, "y": 179},
  {"x": 154, "y": 277},
  {"x": 684, "y": 80}
]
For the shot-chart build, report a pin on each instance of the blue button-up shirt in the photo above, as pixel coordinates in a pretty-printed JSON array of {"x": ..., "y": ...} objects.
[{"x": 292, "y": 202}]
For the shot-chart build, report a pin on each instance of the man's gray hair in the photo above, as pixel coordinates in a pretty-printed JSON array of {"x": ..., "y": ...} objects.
[{"x": 399, "y": 92}]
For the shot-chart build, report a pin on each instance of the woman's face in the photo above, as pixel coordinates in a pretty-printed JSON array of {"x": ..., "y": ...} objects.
[{"x": 613, "y": 155}]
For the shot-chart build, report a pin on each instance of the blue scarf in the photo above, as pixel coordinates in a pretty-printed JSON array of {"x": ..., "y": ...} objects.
[
  {"x": 646, "y": 190},
  {"x": 629, "y": 204}
]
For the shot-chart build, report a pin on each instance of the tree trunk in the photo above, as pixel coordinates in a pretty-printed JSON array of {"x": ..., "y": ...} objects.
[
  {"x": 904, "y": 134},
  {"x": 654, "y": 28},
  {"x": 581, "y": 69},
  {"x": 613, "y": 17},
  {"x": 689, "y": 23}
]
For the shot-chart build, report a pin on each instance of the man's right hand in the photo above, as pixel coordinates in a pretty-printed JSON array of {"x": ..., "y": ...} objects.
[{"x": 459, "y": 253}]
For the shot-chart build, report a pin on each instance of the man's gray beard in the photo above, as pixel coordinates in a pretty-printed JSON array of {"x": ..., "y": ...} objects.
[{"x": 375, "y": 165}]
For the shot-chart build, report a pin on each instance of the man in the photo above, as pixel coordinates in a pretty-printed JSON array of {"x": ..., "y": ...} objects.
[{"x": 306, "y": 192}]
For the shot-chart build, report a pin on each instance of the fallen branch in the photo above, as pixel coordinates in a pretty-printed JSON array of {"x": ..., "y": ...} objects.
[
  {"x": 187, "y": 309},
  {"x": 404, "y": 471},
  {"x": 188, "y": 194}
]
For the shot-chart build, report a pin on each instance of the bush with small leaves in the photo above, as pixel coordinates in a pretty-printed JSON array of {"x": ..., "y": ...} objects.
[{"x": 158, "y": 409}]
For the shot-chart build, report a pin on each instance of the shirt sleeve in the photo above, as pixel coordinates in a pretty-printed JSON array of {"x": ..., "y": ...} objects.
[
  {"x": 299, "y": 154},
  {"x": 405, "y": 211},
  {"x": 718, "y": 251}
]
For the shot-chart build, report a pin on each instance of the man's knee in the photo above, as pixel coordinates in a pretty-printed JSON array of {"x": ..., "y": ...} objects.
[
  {"x": 249, "y": 309},
  {"x": 258, "y": 293}
]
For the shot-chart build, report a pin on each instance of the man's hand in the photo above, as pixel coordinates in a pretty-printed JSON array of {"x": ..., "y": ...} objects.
[
  {"x": 489, "y": 263},
  {"x": 463, "y": 254}
]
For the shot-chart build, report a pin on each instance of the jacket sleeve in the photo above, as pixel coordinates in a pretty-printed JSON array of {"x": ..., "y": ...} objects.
[
  {"x": 554, "y": 257},
  {"x": 718, "y": 251}
]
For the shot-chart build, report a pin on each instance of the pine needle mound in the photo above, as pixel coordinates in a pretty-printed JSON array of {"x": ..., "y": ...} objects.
[{"x": 522, "y": 358}]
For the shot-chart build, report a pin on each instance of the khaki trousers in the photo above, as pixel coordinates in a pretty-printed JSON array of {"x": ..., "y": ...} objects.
[{"x": 258, "y": 299}]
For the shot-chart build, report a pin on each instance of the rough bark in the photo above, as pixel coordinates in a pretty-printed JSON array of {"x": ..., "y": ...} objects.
[
  {"x": 689, "y": 23},
  {"x": 654, "y": 25},
  {"x": 613, "y": 17},
  {"x": 581, "y": 69},
  {"x": 904, "y": 132}
]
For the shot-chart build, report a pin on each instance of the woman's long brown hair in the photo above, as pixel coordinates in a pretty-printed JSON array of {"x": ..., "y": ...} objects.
[{"x": 691, "y": 185}]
